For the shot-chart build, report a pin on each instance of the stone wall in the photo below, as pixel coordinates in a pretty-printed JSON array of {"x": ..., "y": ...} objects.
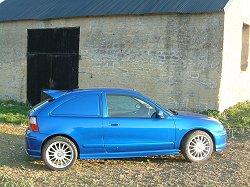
[
  {"x": 13, "y": 49},
  {"x": 235, "y": 81},
  {"x": 174, "y": 59}
]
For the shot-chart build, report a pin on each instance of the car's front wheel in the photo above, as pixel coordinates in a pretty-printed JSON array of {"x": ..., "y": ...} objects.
[
  {"x": 197, "y": 146},
  {"x": 59, "y": 153}
]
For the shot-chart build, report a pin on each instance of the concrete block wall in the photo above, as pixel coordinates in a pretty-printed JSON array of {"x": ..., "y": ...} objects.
[{"x": 174, "y": 59}]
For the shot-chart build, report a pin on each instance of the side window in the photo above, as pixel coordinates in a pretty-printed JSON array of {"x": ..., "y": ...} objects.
[
  {"x": 84, "y": 105},
  {"x": 125, "y": 106}
]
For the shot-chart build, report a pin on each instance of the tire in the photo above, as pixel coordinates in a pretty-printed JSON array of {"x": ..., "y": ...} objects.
[
  {"x": 197, "y": 146},
  {"x": 59, "y": 153}
]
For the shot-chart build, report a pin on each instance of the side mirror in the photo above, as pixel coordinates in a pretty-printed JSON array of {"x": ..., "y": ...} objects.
[{"x": 160, "y": 114}]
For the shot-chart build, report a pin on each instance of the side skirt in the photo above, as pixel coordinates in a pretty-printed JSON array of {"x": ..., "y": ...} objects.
[{"x": 129, "y": 154}]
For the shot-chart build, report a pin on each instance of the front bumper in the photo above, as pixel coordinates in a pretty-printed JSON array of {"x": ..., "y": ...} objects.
[
  {"x": 220, "y": 138},
  {"x": 34, "y": 142}
]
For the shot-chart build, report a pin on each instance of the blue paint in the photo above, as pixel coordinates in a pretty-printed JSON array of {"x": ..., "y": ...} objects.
[{"x": 83, "y": 116}]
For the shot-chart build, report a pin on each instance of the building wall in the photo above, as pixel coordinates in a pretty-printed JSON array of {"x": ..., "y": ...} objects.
[
  {"x": 13, "y": 47},
  {"x": 235, "y": 82},
  {"x": 174, "y": 59}
]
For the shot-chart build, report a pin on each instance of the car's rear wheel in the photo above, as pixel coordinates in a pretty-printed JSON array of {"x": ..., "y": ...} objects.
[
  {"x": 59, "y": 153},
  {"x": 197, "y": 146}
]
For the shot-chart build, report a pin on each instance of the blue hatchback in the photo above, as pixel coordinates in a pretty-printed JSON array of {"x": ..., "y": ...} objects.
[{"x": 116, "y": 123}]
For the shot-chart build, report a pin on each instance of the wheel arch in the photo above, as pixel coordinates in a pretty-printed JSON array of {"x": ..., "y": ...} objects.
[
  {"x": 199, "y": 129},
  {"x": 62, "y": 135}
]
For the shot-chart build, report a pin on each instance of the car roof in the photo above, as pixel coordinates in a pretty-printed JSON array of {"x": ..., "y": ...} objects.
[
  {"x": 109, "y": 90},
  {"x": 59, "y": 93}
]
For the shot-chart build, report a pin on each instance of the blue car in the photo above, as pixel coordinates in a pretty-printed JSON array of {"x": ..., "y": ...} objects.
[{"x": 116, "y": 123}]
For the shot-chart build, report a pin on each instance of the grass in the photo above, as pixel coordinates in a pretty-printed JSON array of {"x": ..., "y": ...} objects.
[
  {"x": 13, "y": 112},
  {"x": 237, "y": 116}
]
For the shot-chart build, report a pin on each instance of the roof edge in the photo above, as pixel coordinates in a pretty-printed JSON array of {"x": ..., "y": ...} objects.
[
  {"x": 113, "y": 15},
  {"x": 228, "y": 5}
]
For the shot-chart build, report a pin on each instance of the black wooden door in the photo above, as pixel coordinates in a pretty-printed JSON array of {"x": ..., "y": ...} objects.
[{"x": 53, "y": 60}]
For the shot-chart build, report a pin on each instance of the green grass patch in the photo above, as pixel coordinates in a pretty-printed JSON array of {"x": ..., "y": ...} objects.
[
  {"x": 13, "y": 112},
  {"x": 237, "y": 116}
]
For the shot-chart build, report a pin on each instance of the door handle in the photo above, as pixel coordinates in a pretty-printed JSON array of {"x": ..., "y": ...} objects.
[{"x": 113, "y": 124}]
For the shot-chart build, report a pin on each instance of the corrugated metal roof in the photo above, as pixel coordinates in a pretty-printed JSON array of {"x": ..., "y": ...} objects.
[{"x": 48, "y": 9}]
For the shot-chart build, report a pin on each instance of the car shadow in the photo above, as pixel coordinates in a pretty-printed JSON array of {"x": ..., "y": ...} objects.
[
  {"x": 13, "y": 154},
  {"x": 156, "y": 159}
]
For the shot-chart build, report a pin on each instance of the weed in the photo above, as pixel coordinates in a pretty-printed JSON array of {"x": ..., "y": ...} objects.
[
  {"x": 237, "y": 116},
  {"x": 13, "y": 112}
]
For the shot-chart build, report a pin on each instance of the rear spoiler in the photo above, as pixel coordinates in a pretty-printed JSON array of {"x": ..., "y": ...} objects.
[{"x": 54, "y": 94}]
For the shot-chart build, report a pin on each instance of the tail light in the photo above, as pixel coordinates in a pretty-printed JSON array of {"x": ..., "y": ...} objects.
[{"x": 33, "y": 123}]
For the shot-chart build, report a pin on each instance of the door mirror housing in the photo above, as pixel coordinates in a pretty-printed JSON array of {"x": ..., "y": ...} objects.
[{"x": 160, "y": 114}]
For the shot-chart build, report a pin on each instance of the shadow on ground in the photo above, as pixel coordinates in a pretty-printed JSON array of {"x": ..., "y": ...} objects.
[{"x": 13, "y": 153}]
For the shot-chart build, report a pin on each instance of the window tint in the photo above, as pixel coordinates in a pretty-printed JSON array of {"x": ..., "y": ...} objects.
[
  {"x": 128, "y": 107},
  {"x": 84, "y": 105}
]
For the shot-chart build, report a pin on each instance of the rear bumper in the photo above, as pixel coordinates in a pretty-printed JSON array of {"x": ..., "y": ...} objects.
[
  {"x": 33, "y": 153},
  {"x": 34, "y": 142},
  {"x": 220, "y": 138}
]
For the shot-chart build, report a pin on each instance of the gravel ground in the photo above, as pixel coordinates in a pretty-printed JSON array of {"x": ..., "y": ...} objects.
[{"x": 228, "y": 168}]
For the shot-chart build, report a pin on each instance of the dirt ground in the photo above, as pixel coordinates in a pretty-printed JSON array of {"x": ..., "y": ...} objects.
[{"x": 228, "y": 168}]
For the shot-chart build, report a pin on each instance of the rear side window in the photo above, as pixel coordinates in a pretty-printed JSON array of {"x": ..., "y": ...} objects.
[{"x": 84, "y": 105}]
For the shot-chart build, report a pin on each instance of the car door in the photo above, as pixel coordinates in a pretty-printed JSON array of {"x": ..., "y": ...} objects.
[{"x": 131, "y": 125}]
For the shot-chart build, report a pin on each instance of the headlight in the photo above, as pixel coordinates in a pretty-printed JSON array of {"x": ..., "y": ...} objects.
[{"x": 214, "y": 119}]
